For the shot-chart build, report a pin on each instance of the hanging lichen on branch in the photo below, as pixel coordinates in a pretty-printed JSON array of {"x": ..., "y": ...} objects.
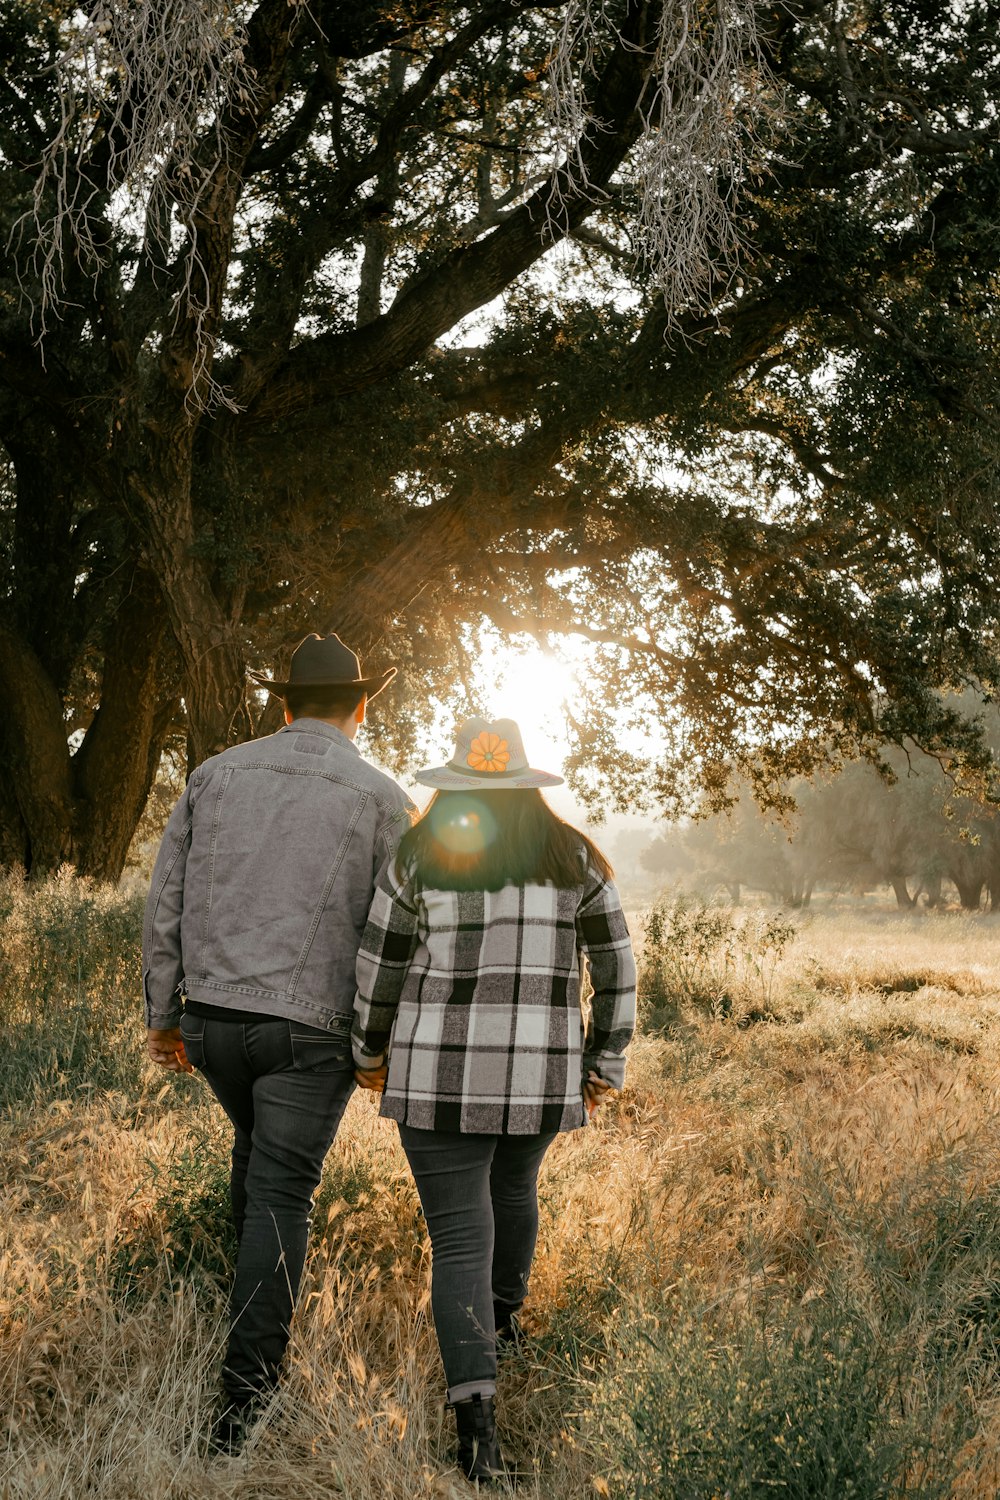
[
  {"x": 146, "y": 89},
  {"x": 143, "y": 91},
  {"x": 708, "y": 94}
]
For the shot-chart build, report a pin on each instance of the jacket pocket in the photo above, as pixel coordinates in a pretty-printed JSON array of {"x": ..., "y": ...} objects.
[
  {"x": 193, "y": 1037},
  {"x": 315, "y": 1051}
]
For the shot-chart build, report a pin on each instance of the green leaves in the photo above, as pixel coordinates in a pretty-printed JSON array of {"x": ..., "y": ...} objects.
[{"x": 769, "y": 534}]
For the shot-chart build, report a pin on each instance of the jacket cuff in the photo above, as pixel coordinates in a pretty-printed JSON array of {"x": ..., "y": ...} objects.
[
  {"x": 163, "y": 1020},
  {"x": 161, "y": 1014},
  {"x": 366, "y": 1059},
  {"x": 607, "y": 1065}
]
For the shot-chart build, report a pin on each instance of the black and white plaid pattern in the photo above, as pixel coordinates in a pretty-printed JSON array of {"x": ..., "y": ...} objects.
[{"x": 476, "y": 995}]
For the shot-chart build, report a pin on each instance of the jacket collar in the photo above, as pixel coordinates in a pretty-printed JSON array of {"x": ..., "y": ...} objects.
[{"x": 320, "y": 726}]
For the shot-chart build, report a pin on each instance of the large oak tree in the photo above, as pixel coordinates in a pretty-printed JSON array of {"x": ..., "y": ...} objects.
[{"x": 319, "y": 317}]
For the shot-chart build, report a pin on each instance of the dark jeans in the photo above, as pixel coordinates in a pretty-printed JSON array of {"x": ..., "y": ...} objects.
[
  {"x": 480, "y": 1200},
  {"x": 285, "y": 1087}
]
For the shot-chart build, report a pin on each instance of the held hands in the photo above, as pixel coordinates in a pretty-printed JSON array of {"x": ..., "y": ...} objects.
[
  {"x": 166, "y": 1048},
  {"x": 595, "y": 1091},
  {"x": 372, "y": 1078}
]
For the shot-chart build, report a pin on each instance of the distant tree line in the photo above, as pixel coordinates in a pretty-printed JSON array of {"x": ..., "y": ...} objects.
[{"x": 856, "y": 831}]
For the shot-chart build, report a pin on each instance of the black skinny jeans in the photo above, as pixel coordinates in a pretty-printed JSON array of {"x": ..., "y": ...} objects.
[
  {"x": 480, "y": 1200},
  {"x": 285, "y": 1087}
]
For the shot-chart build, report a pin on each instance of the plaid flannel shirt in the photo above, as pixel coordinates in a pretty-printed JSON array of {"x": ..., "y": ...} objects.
[{"x": 476, "y": 996}]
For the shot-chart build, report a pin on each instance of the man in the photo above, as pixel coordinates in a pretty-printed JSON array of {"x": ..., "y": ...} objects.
[{"x": 258, "y": 901}]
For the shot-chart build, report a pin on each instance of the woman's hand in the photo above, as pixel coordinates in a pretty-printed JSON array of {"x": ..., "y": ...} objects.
[
  {"x": 372, "y": 1078},
  {"x": 595, "y": 1090}
]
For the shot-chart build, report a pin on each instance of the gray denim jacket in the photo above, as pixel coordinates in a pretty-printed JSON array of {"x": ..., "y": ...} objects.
[{"x": 262, "y": 884}]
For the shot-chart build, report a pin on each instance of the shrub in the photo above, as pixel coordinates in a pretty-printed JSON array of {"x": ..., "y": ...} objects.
[
  {"x": 706, "y": 958},
  {"x": 188, "y": 1230},
  {"x": 70, "y": 986},
  {"x": 805, "y": 1404}
]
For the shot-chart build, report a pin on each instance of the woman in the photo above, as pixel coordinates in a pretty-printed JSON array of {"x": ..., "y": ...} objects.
[{"x": 468, "y": 1012}]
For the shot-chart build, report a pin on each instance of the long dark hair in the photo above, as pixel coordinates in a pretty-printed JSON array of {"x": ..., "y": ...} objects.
[{"x": 481, "y": 841}]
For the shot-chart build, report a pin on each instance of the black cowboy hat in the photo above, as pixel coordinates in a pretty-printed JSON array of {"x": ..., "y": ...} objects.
[{"x": 323, "y": 661}]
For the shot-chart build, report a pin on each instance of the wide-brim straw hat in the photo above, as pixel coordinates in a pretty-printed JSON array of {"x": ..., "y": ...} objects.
[
  {"x": 489, "y": 757},
  {"x": 323, "y": 661}
]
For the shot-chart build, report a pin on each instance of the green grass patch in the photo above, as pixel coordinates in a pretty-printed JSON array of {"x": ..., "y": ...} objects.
[{"x": 809, "y": 1404}]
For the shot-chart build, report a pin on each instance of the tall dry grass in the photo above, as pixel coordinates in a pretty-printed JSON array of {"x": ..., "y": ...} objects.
[{"x": 773, "y": 1267}]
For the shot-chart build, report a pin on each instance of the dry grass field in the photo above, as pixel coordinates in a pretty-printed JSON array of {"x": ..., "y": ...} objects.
[{"x": 772, "y": 1268}]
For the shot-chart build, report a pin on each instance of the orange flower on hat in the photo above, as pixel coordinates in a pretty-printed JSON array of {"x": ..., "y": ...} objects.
[{"x": 488, "y": 752}]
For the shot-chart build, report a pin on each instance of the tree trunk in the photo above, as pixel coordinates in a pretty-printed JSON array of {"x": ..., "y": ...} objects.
[
  {"x": 43, "y": 563},
  {"x": 115, "y": 766},
  {"x": 992, "y": 840},
  {"x": 13, "y": 831},
  {"x": 56, "y": 807},
  {"x": 970, "y": 892},
  {"x": 214, "y": 669},
  {"x": 38, "y": 755}
]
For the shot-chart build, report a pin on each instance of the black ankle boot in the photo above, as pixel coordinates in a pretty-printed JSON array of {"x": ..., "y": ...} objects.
[
  {"x": 230, "y": 1429},
  {"x": 509, "y": 1337},
  {"x": 234, "y": 1421},
  {"x": 479, "y": 1455},
  {"x": 505, "y": 1318}
]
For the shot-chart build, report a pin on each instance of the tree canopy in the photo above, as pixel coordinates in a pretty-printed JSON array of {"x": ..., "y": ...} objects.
[{"x": 323, "y": 317}]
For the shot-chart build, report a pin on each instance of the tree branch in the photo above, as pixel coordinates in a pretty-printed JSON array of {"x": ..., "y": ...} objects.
[{"x": 468, "y": 278}]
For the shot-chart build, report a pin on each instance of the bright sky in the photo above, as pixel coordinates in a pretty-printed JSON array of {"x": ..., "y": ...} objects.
[
  {"x": 525, "y": 684},
  {"x": 530, "y": 687}
]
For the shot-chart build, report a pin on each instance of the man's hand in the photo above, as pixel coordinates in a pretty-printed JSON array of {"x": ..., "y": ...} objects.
[
  {"x": 372, "y": 1078},
  {"x": 166, "y": 1048},
  {"x": 595, "y": 1090}
]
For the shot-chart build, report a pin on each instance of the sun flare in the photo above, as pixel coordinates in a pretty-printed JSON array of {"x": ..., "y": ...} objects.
[{"x": 533, "y": 687}]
